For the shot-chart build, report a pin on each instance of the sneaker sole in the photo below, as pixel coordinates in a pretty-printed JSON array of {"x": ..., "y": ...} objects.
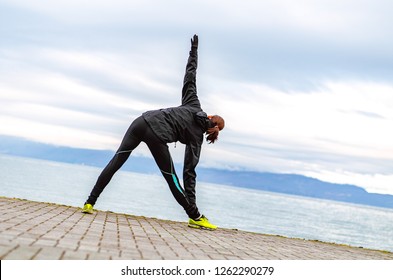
[
  {"x": 201, "y": 227},
  {"x": 87, "y": 212}
]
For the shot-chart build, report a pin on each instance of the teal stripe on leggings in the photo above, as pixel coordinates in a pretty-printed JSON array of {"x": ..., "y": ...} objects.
[{"x": 177, "y": 184}]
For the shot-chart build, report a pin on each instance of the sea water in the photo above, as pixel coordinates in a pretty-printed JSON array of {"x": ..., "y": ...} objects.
[{"x": 228, "y": 207}]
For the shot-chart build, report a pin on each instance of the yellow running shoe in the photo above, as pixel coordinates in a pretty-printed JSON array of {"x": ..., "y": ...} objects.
[
  {"x": 202, "y": 223},
  {"x": 88, "y": 209}
]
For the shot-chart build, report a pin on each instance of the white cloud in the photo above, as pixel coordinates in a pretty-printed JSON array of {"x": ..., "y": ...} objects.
[
  {"x": 53, "y": 133},
  {"x": 309, "y": 133}
]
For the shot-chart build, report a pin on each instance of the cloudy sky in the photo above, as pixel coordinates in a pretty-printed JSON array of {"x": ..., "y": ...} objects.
[{"x": 304, "y": 86}]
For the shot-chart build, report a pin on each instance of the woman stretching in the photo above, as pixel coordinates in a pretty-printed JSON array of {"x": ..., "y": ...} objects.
[{"x": 186, "y": 123}]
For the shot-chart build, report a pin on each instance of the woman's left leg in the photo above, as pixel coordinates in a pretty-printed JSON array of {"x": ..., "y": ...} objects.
[{"x": 164, "y": 161}]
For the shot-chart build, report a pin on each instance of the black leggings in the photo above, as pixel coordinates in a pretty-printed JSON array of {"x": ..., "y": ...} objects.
[{"x": 140, "y": 131}]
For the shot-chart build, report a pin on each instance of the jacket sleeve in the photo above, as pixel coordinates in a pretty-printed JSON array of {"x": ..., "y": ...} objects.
[
  {"x": 189, "y": 91},
  {"x": 191, "y": 159}
]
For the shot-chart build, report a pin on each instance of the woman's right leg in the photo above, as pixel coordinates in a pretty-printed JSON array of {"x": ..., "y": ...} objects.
[{"x": 131, "y": 140}]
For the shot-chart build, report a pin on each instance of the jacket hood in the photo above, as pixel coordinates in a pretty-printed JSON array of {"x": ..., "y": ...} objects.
[{"x": 202, "y": 120}]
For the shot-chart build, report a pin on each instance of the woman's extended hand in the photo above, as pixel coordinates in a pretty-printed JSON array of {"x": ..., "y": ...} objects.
[{"x": 194, "y": 42}]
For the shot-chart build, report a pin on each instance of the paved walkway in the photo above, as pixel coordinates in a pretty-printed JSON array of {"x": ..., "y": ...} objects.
[{"x": 36, "y": 230}]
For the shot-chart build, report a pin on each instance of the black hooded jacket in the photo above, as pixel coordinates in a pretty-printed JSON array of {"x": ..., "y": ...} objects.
[{"x": 186, "y": 123}]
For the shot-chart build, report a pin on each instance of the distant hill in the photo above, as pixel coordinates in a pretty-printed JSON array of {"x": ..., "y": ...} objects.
[
  {"x": 296, "y": 185},
  {"x": 273, "y": 182}
]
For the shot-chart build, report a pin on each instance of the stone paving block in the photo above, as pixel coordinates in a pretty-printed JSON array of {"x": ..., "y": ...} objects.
[
  {"x": 129, "y": 255},
  {"x": 49, "y": 253},
  {"x": 5, "y": 249},
  {"x": 69, "y": 245},
  {"x": 111, "y": 251},
  {"x": 89, "y": 242},
  {"x": 74, "y": 255},
  {"x": 7, "y": 237},
  {"x": 88, "y": 248},
  {"x": 22, "y": 252},
  {"x": 45, "y": 242},
  {"x": 184, "y": 255},
  {"x": 108, "y": 245},
  {"x": 99, "y": 256},
  {"x": 53, "y": 234},
  {"x": 199, "y": 256},
  {"x": 26, "y": 240}
]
